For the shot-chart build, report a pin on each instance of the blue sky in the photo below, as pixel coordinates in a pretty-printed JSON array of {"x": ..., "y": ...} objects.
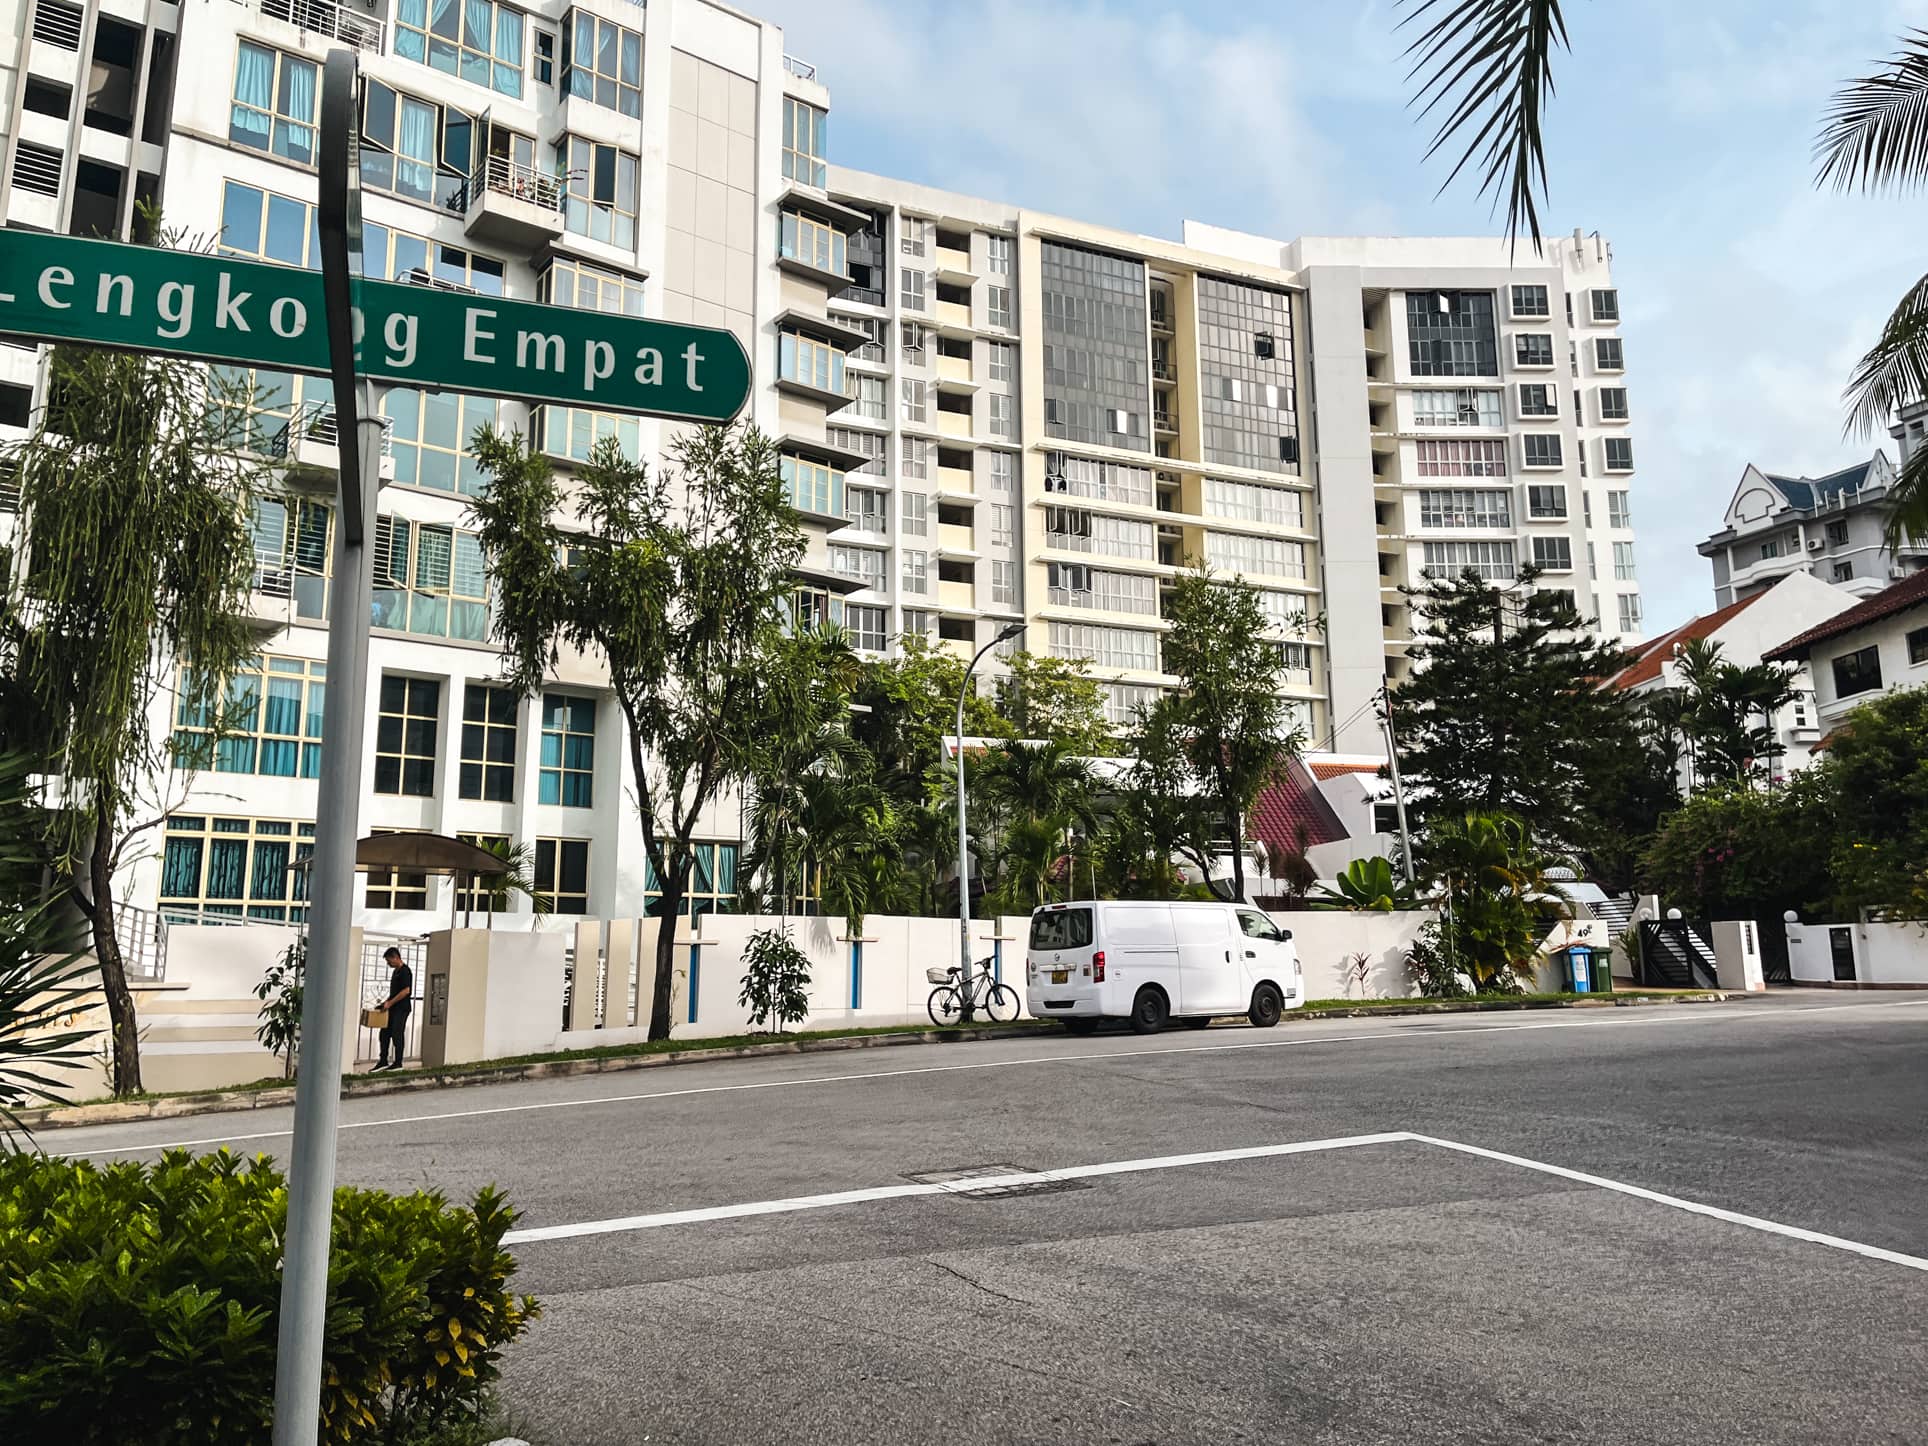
[{"x": 1681, "y": 130}]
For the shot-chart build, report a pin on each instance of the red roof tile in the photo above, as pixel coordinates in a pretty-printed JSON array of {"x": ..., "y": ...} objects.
[
  {"x": 1323, "y": 771},
  {"x": 1290, "y": 805},
  {"x": 1653, "y": 656},
  {"x": 1910, "y": 592}
]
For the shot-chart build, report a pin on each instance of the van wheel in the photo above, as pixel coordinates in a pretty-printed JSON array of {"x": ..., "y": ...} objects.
[
  {"x": 1149, "y": 1011},
  {"x": 1267, "y": 1006},
  {"x": 1080, "y": 1026}
]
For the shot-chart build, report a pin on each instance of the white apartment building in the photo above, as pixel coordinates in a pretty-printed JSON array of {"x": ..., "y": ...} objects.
[{"x": 987, "y": 414}]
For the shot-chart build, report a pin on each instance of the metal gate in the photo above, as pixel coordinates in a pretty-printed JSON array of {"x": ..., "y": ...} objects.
[{"x": 374, "y": 988}]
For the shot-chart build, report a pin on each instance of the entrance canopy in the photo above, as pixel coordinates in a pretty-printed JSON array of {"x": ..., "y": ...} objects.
[{"x": 425, "y": 853}]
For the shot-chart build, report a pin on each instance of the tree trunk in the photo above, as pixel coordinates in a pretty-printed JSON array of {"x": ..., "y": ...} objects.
[
  {"x": 1238, "y": 856},
  {"x": 675, "y": 887},
  {"x": 125, "y": 1028}
]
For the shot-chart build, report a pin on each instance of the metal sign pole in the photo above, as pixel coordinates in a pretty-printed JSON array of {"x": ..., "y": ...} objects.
[{"x": 311, "y": 1167}]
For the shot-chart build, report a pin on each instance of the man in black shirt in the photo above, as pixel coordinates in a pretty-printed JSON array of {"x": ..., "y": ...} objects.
[{"x": 401, "y": 995}]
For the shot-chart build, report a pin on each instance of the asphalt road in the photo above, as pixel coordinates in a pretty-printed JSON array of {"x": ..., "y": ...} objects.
[{"x": 1387, "y": 1290}]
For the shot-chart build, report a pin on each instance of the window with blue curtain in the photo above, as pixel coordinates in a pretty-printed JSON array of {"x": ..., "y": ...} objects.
[
  {"x": 568, "y": 751},
  {"x": 251, "y": 118},
  {"x": 415, "y": 150},
  {"x": 227, "y": 867},
  {"x": 181, "y": 868},
  {"x": 268, "y": 879},
  {"x": 476, "y": 40},
  {"x": 294, "y": 126}
]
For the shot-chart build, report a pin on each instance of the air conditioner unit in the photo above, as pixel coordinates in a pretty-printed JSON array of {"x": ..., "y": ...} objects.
[{"x": 1815, "y": 544}]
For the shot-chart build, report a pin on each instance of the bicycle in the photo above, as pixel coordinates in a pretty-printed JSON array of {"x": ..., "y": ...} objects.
[{"x": 998, "y": 1001}]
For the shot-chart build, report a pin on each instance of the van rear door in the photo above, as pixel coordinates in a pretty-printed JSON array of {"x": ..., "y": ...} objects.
[{"x": 1060, "y": 950}]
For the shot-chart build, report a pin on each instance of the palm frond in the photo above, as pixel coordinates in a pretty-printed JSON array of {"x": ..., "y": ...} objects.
[
  {"x": 1875, "y": 130},
  {"x": 1895, "y": 370},
  {"x": 1489, "y": 65},
  {"x": 1907, "y": 517}
]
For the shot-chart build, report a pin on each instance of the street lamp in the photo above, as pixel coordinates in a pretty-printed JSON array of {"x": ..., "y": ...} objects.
[{"x": 1005, "y": 634}]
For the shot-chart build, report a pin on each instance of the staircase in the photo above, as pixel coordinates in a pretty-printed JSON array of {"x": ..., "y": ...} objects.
[
  {"x": 1615, "y": 913},
  {"x": 1673, "y": 956}
]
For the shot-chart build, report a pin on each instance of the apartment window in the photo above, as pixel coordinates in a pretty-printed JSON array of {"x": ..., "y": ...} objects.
[
  {"x": 815, "y": 607},
  {"x": 545, "y": 63},
  {"x": 431, "y": 437},
  {"x": 234, "y": 868},
  {"x": 917, "y": 622},
  {"x": 1607, "y": 354},
  {"x": 810, "y": 362},
  {"x": 268, "y": 227},
  {"x": 405, "y": 728},
  {"x": 488, "y": 743},
  {"x": 1553, "y": 554},
  {"x": 997, "y": 302},
  {"x": 867, "y": 626},
  {"x": 1629, "y": 612},
  {"x": 804, "y": 129},
  {"x": 1000, "y": 358},
  {"x": 917, "y": 572},
  {"x": 1469, "y": 509},
  {"x": 1490, "y": 560},
  {"x": 1623, "y": 561},
  {"x": 866, "y": 510},
  {"x": 269, "y": 723},
  {"x": 876, "y": 350},
  {"x": 568, "y": 282},
  {"x": 1619, "y": 454},
  {"x": 1541, "y": 449},
  {"x": 1254, "y": 502},
  {"x": 1003, "y": 524},
  {"x": 1462, "y": 459},
  {"x": 914, "y": 514},
  {"x": 1451, "y": 334},
  {"x": 391, "y": 255},
  {"x": 1003, "y": 583},
  {"x": 1593, "y": 565},
  {"x": 431, "y": 580},
  {"x": 1003, "y": 471},
  {"x": 393, "y": 888},
  {"x": 576, "y": 433},
  {"x": 1546, "y": 502},
  {"x": 1238, "y": 554},
  {"x": 1838, "y": 532},
  {"x": 1918, "y": 646},
  {"x": 1771, "y": 548},
  {"x": 865, "y": 564},
  {"x": 915, "y": 407},
  {"x": 812, "y": 486},
  {"x": 1465, "y": 407},
  {"x": 1533, "y": 349},
  {"x": 1857, "y": 672},
  {"x": 1002, "y": 406},
  {"x": 1286, "y": 613},
  {"x": 291, "y": 552},
  {"x": 712, "y": 884},
  {"x": 562, "y": 874},
  {"x": 997, "y": 255},
  {"x": 601, "y": 62},
  {"x": 478, "y": 40},
  {"x": 1842, "y": 572},
  {"x": 1106, "y": 647},
  {"x": 869, "y": 401},
  {"x": 1105, "y": 481},
  {"x": 1620, "y": 509},
  {"x": 914, "y": 456},
  {"x": 601, "y": 199},
  {"x": 274, "y": 103},
  {"x": 1606, "y": 305},
  {"x": 1613, "y": 404},
  {"x": 416, "y": 150},
  {"x": 1538, "y": 399},
  {"x": 568, "y": 769},
  {"x": 1124, "y": 702},
  {"x": 806, "y": 239},
  {"x": 1530, "y": 301}
]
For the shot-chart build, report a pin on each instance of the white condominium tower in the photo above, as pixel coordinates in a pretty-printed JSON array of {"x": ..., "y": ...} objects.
[{"x": 986, "y": 414}]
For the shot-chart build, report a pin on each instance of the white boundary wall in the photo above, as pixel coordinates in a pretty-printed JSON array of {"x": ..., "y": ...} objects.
[{"x": 1883, "y": 953}]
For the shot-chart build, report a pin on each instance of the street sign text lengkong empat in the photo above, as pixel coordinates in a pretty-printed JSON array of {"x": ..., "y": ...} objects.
[{"x": 253, "y": 313}]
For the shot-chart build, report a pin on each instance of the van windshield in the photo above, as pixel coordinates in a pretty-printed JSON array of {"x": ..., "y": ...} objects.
[{"x": 1061, "y": 929}]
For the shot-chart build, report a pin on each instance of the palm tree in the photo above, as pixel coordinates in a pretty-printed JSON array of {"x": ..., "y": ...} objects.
[
  {"x": 1501, "y": 897},
  {"x": 1039, "y": 780},
  {"x": 1487, "y": 66},
  {"x": 497, "y": 892}
]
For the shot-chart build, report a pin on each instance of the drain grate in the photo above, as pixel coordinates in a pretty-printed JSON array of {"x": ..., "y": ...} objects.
[{"x": 995, "y": 1182}]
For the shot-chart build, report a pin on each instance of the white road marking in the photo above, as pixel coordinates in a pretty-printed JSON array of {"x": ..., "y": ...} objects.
[
  {"x": 1407, "y": 1032},
  {"x": 955, "y": 1187},
  {"x": 1173, "y": 1162}
]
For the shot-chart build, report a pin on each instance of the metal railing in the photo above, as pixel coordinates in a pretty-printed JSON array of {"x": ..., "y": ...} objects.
[
  {"x": 504, "y": 177},
  {"x": 324, "y": 17},
  {"x": 142, "y": 936},
  {"x": 801, "y": 69},
  {"x": 58, "y": 23},
  {"x": 315, "y": 422}
]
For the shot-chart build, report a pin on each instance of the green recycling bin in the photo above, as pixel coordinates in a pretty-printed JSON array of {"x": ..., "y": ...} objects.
[{"x": 1602, "y": 971}]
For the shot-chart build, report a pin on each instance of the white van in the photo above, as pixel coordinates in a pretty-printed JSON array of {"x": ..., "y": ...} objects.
[{"x": 1150, "y": 963}]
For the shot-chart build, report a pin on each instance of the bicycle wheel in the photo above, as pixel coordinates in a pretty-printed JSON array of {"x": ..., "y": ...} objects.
[
  {"x": 945, "y": 1006},
  {"x": 1001, "y": 1003}
]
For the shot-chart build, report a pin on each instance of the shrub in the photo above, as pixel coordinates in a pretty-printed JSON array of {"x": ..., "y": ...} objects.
[
  {"x": 1435, "y": 975},
  {"x": 776, "y": 980},
  {"x": 139, "y": 1304},
  {"x": 280, "y": 1014}
]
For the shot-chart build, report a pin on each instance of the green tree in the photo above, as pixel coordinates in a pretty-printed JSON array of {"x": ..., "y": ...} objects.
[
  {"x": 1499, "y": 895},
  {"x": 1156, "y": 814},
  {"x": 1039, "y": 793},
  {"x": 516, "y": 879},
  {"x": 1227, "y": 716},
  {"x": 137, "y": 507},
  {"x": 1503, "y": 712},
  {"x": 1735, "y": 853},
  {"x": 1056, "y": 700},
  {"x": 776, "y": 980},
  {"x": 1876, "y": 776},
  {"x": 679, "y": 579},
  {"x": 1726, "y": 713}
]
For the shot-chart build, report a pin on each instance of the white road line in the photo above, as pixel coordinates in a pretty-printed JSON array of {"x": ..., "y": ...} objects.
[
  {"x": 1396, "y": 1033},
  {"x": 661, "y": 1219},
  {"x": 960, "y": 1187},
  {"x": 1752, "y": 1222}
]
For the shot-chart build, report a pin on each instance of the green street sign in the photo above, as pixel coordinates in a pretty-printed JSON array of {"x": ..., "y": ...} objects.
[{"x": 254, "y": 313}]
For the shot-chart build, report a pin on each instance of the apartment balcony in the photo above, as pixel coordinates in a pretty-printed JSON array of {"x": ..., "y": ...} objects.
[
  {"x": 957, "y": 597},
  {"x": 954, "y": 266},
  {"x": 956, "y": 540},
  {"x": 1164, "y": 371},
  {"x": 1164, "y": 423},
  {"x": 954, "y": 374},
  {"x": 956, "y": 425},
  {"x": 515, "y": 207},
  {"x": 310, "y": 446},
  {"x": 953, "y": 317},
  {"x": 956, "y": 484},
  {"x": 324, "y": 19},
  {"x": 284, "y": 594}
]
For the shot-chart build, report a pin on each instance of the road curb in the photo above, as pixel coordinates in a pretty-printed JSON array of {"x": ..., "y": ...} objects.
[{"x": 357, "y": 1086}]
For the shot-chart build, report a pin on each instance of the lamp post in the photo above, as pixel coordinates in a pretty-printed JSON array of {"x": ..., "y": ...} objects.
[{"x": 1005, "y": 634}]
